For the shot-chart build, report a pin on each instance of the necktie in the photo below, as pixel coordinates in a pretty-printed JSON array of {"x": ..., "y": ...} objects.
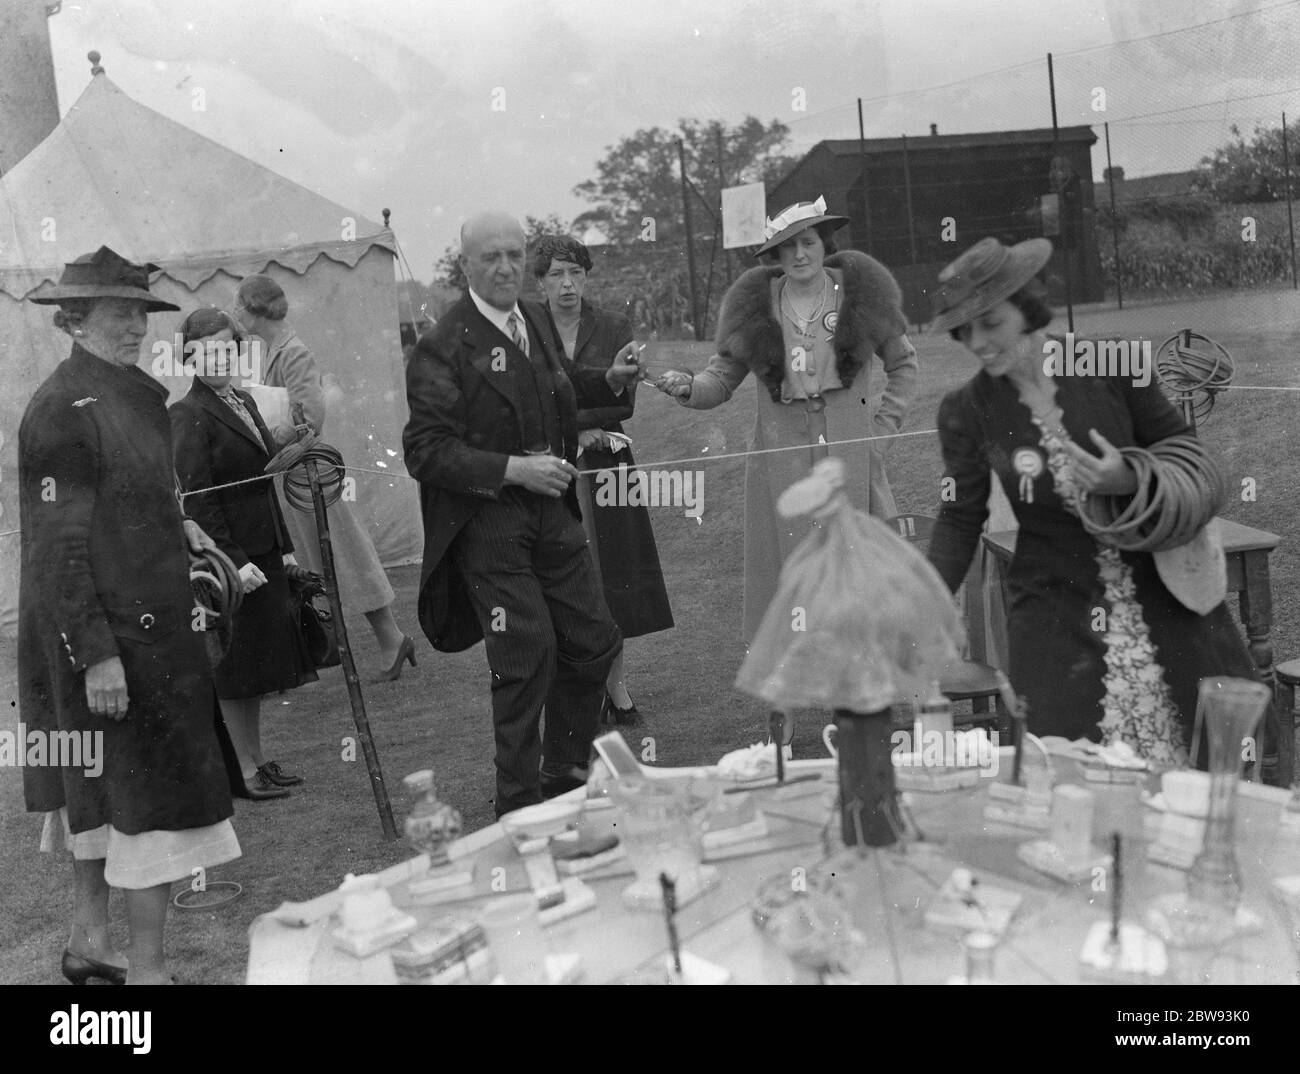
[{"x": 520, "y": 338}]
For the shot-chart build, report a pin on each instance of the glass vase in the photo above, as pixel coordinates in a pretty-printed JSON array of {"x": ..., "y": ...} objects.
[{"x": 1230, "y": 711}]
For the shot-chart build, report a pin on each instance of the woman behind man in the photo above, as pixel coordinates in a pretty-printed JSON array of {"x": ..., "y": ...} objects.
[
  {"x": 219, "y": 438},
  {"x": 620, "y": 536},
  {"x": 104, "y": 641},
  {"x": 1136, "y": 680},
  {"x": 260, "y": 309}
]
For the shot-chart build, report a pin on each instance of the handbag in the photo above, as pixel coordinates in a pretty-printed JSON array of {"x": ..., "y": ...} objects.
[
  {"x": 317, "y": 626},
  {"x": 315, "y": 623}
]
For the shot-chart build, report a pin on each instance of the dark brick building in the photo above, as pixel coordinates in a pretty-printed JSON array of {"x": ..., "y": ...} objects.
[{"x": 987, "y": 184}]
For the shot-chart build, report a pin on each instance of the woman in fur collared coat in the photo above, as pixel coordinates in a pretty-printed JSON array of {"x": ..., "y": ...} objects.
[{"x": 806, "y": 325}]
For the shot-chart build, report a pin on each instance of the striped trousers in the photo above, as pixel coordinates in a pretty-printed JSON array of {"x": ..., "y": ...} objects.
[{"x": 550, "y": 638}]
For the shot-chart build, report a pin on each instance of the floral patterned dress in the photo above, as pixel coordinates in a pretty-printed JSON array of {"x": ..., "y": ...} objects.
[{"x": 1139, "y": 708}]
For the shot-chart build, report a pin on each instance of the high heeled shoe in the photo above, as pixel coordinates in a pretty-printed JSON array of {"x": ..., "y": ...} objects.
[
  {"x": 612, "y": 714},
  {"x": 405, "y": 651},
  {"x": 78, "y": 969}
]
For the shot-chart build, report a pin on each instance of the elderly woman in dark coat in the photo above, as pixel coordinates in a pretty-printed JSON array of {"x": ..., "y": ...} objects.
[
  {"x": 620, "y": 536},
  {"x": 106, "y": 653},
  {"x": 219, "y": 438}
]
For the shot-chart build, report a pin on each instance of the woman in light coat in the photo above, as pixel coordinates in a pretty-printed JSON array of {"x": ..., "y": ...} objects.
[
  {"x": 260, "y": 308},
  {"x": 806, "y": 325}
]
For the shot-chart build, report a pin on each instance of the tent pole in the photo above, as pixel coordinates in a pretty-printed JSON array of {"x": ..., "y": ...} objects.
[{"x": 345, "y": 653}]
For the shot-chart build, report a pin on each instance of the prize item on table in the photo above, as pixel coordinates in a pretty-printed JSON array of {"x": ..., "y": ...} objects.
[
  {"x": 368, "y": 920},
  {"x": 1184, "y": 798},
  {"x": 452, "y": 951},
  {"x": 1026, "y": 802},
  {"x": 732, "y": 819},
  {"x": 964, "y": 904},
  {"x": 1068, "y": 855},
  {"x": 1210, "y": 913},
  {"x": 661, "y": 831},
  {"x": 860, "y": 621},
  {"x": 1115, "y": 762},
  {"x": 516, "y": 938},
  {"x": 810, "y": 922},
  {"x": 941, "y": 758},
  {"x": 979, "y": 949},
  {"x": 617, "y": 755},
  {"x": 577, "y": 853},
  {"x": 757, "y": 767},
  {"x": 1119, "y": 951},
  {"x": 532, "y": 827},
  {"x": 431, "y": 827}
]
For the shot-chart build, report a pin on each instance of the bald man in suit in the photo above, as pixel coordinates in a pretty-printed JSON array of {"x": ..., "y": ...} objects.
[{"x": 492, "y": 439}]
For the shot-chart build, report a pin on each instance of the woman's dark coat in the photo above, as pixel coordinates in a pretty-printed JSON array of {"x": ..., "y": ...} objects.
[
  {"x": 105, "y": 572},
  {"x": 625, "y": 550}
]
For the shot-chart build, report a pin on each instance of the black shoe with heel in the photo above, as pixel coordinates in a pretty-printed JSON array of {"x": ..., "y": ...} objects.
[{"x": 78, "y": 969}]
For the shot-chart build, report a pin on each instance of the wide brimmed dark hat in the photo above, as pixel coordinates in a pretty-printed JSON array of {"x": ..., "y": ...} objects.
[
  {"x": 986, "y": 274},
  {"x": 796, "y": 218},
  {"x": 103, "y": 274}
]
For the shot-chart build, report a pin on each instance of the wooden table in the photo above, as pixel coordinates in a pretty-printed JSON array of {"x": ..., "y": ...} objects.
[
  {"x": 1246, "y": 551},
  {"x": 890, "y": 892}
]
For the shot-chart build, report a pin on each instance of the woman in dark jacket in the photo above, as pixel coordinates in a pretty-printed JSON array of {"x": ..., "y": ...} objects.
[
  {"x": 620, "y": 536},
  {"x": 105, "y": 650},
  {"x": 219, "y": 438},
  {"x": 1131, "y": 674}
]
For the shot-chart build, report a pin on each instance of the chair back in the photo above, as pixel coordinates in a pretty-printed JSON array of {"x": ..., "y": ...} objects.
[{"x": 919, "y": 529}]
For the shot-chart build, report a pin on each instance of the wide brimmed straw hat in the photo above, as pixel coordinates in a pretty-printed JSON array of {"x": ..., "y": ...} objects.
[
  {"x": 796, "y": 218},
  {"x": 986, "y": 274},
  {"x": 103, "y": 274}
]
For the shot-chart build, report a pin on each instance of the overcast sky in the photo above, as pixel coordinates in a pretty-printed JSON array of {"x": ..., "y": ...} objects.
[{"x": 377, "y": 104}]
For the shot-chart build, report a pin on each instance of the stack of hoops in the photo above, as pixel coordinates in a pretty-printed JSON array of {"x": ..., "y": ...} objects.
[{"x": 1179, "y": 490}]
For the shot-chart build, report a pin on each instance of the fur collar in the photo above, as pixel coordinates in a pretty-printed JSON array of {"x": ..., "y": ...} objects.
[{"x": 871, "y": 313}]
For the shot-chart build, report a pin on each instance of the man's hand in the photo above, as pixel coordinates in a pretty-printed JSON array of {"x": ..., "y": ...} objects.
[
  {"x": 198, "y": 540},
  {"x": 626, "y": 368},
  {"x": 1108, "y": 475},
  {"x": 594, "y": 438},
  {"x": 544, "y": 474},
  {"x": 106, "y": 688},
  {"x": 677, "y": 383},
  {"x": 252, "y": 577}
]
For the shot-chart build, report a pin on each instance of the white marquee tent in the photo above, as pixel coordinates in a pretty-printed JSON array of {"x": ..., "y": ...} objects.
[{"x": 116, "y": 173}]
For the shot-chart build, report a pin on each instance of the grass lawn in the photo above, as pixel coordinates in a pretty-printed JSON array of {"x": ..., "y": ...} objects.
[{"x": 438, "y": 714}]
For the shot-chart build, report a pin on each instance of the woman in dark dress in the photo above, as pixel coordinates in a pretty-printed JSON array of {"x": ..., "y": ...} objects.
[
  {"x": 620, "y": 536},
  {"x": 1131, "y": 674},
  {"x": 218, "y": 438},
  {"x": 105, "y": 649}
]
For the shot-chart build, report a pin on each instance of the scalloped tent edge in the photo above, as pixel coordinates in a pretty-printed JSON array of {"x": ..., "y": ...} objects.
[{"x": 193, "y": 272}]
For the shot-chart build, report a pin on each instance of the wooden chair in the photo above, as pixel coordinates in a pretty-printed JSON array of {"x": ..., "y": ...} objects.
[
  {"x": 970, "y": 678},
  {"x": 1288, "y": 678}
]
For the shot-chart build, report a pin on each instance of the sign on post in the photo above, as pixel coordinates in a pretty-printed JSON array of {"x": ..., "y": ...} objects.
[{"x": 743, "y": 209}]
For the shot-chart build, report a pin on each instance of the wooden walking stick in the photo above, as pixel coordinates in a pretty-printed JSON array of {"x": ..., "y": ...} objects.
[{"x": 306, "y": 453}]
